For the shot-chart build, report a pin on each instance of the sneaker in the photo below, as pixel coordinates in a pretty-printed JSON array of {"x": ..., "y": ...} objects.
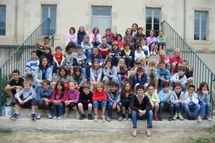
[
  {"x": 33, "y": 117},
  {"x": 103, "y": 118},
  {"x": 124, "y": 119},
  {"x": 180, "y": 117},
  {"x": 175, "y": 116},
  {"x": 119, "y": 118},
  {"x": 15, "y": 116},
  {"x": 199, "y": 119},
  {"x": 156, "y": 118},
  {"x": 83, "y": 116},
  {"x": 90, "y": 117},
  {"x": 54, "y": 117},
  {"x": 96, "y": 118},
  {"x": 59, "y": 118},
  {"x": 209, "y": 118},
  {"x": 38, "y": 116},
  {"x": 129, "y": 119},
  {"x": 49, "y": 115},
  {"x": 108, "y": 118}
]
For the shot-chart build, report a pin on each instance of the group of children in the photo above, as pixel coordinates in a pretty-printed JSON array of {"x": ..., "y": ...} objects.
[{"x": 109, "y": 73}]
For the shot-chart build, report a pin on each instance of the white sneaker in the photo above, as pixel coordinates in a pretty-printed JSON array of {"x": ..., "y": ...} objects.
[
  {"x": 199, "y": 119},
  {"x": 180, "y": 117},
  {"x": 49, "y": 115},
  {"x": 175, "y": 116},
  {"x": 54, "y": 117},
  {"x": 151, "y": 53},
  {"x": 209, "y": 118},
  {"x": 59, "y": 118},
  {"x": 38, "y": 116}
]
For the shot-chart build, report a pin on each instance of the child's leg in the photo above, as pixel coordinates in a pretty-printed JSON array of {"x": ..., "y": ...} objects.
[
  {"x": 104, "y": 104},
  {"x": 110, "y": 107},
  {"x": 90, "y": 108},
  {"x": 10, "y": 94},
  {"x": 95, "y": 106},
  {"x": 156, "y": 83},
  {"x": 161, "y": 106},
  {"x": 134, "y": 119},
  {"x": 173, "y": 66},
  {"x": 171, "y": 108},
  {"x": 33, "y": 109},
  {"x": 80, "y": 107},
  {"x": 60, "y": 107},
  {"x": 119, "y": 109},
  {"x": 40, "y": 106},
  {"x": 208, "y": 109},
  {"x": 156, "y": 108},
  {"x": 55, "y": 110},
  {"x": 75, "y": 108},
  {"x": 17, "y": 108},
  {"x": 66, "y": 110},
  {"x": 123, "y": 111},
  {"x": 202, "y": 109}
]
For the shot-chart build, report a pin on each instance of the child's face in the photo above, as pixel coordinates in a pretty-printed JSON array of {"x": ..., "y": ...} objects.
[
  {"x": 176, "y": 54},
  {"x": 99, "y": 89},
  {"x": 165, "y": 89},
  {"x": 86, "y": 91},
  {"x": 113, "y": 88},
  {"x": 181, "y": 72},
  {"x": 80, "y": 52},
  {"x": 139, "y": 49},
  {"x": 71, "y": 31},
  {"x": 184, "y": 64},
  {"x": 152, "y": 67},
  {"x": 204, "y": 88},
  {"x": 96, "y": 31},
  {"x": 178, "y": 89},
  {"x": 151, "y": 33},
  {"x": 59, "y": 87},
  {"x": 44, "y": 62},
  {"x": 27, "y": 86},
  {"x": 47, "y": 51},
  {"x": 81, "y": 29},
  {"x": 71, "y": 86},
  {"x": 191, "y": 90},
  {"x": 127, "y": 47},
  {"x": 143, "y": 42},
  {"x": 33, "y": 56},
  {"x": 86, "y": 39},
  {"x": 160, "y": 33},
  {"x": 62, "y": 73},
  {"x": 104, "y": 41},
  {"x": 140, "y": 91},
  {"x": 162, "y": 66},
  {"x": 46, "y": 41},
  {"x": 115, "y": 47},
  {"x": 46, "y": 86},
  {"x": 134, "y": 27},
  {"x": 121, "y": 63},
  {"x": 16, "y": 76},
  {"x": 140, "y": 31},
  {"x": 150, "y": 90},
  {"x": 70, "y": 51},
  {"x": 108, "y": 32},
  {"x": 95, "y": 51},
  {"x": 78, "y": 73},
  {"x": 96, "y": 64},
  {"x": 127, "y": 87},
  {"x": 119, "y": 38},
  {"x": 140, "y": 73},
  {"x": 128, "y": 31},
  {"x": 58, "y": 51},
  {"x": 108, "y": 64}
]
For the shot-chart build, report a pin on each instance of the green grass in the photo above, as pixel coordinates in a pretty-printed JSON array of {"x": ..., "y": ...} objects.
[{"x": 3, "y": 131}]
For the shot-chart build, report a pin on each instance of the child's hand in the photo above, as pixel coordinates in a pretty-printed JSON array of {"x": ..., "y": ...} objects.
[
  {"x": 21, "y": 102},
  {"x": 180, "y": 81},
  {"x": 46, "y": 100},
  {"x": 205, "y": 91}
]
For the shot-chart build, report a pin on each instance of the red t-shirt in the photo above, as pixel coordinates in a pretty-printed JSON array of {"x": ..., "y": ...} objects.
[{"x": 58, "y": 57}]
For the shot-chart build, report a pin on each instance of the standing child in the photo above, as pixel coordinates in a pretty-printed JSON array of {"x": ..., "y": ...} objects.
[
  {"x": 58, "y": 58},
  {"x": 31, "y": 66},
  {"x": 25, "y": 98},
  {"x": 72, "y": 100},
  {"x": 161, "y": 41},
  {"x": 58, "y": 97},
  {"x": 122, "y": 71},
  {"x": 175, "y": 60},
  {"x": 81, "y": 34},
  {"x": 85, "y": 102},
  {"x": 153, "y": 75},
  {"x": 152, "y": 43},
  {"x": 114, "y": 101},
  {"x": 126, "y": 96},
  {"x": 99, "y": 99},
  {"x": 119, "y": 41},
  {"x": 86, "y": 46},
  {"x": 44, "y": 99},
  {"x": 104, "y": 49},
  {"x": 72, "y": 36}
]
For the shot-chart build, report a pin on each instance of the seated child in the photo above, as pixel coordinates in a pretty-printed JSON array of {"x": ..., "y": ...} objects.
[
  {"x": 94, "y": 55},
  {"x": 119, "y": 41},
  {"x": 86, "y": 46},
  {"x": 179, "y": 77},
  {"x": 99, "y": 100},
  {"x": 85, "y": 102},
  {"x": 164, "y": 58},
  {"x": 80, "y": 60},
  {"x": 44, "y": 99},
  {"x": 72, "y": 36},
  {"x": 58, "y": 58},
  {"x": 25, "y": 98},
  {"x": 163, "y": 74},
  {"x": 68, "y": 63},
  {"x": 31, "y": 66},
  {"x": 71, "y": 101},
  {"x": 161, "y": 41},
  {"x": 127, "y": 54},
  {"x": 175, "y": 61},
  {"x": 114, "y": 101},
  {"x": 114, "y": 54},
  {"x": 108, "y": 35},
  {"x": 104, "y": 49},
  {"x": 152, "y": 43},
  {"x": 78, "y": 77},
  {"x": 62, "y": 76},
  {"x": 139, "y": 54},
  {"x": 188, "y": 72},
  {"x": 145, "y": 47},
  {"x": 152, "y": 75},
  {"x": 122, "y": 71},
  {"x": 46, "y": 43}
]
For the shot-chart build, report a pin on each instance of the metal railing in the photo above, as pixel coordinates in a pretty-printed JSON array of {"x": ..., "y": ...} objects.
[
  {"x": 201, "y": 71},
  {"x": 19, "y": 58}
]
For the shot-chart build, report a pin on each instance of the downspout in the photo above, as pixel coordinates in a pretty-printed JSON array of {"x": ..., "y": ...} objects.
[
  {"x": 16, "y": 22},
  {"x": 184, "y": 20}
]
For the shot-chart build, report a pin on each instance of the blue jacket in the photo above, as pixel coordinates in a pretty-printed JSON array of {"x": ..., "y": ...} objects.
[
  {"x": 163, "y": 74},
  {"x": 80, "y": 37},
  {"x": 165, "y": 96},
  {"x": 135, "y": 80},
  {"x": 41, "y": 94},
  {"x": 39, "y": 75},
  {"x": 93, "y": 56}
]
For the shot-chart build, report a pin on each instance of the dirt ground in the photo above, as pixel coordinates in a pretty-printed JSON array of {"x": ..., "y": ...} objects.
[{"x": 182, "y": 136}]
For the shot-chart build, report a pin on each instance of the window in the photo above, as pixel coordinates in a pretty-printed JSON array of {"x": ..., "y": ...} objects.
[
  {"x": 51, "y": 12},
  {"x": 2, "y": 20},
  {"x": 152, "y": 20},
  {"x": 200, "y": 25}
]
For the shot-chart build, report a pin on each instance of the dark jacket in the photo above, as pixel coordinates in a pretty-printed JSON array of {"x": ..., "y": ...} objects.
[
  {"x": 145, "y": 105},
  {"x": 85, "y": 99}
]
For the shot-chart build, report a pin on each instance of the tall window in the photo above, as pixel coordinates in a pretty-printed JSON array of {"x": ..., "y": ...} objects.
[
  {"x": 2, "y": 20},
  {"x": 152, "y": 20},
  {"x": 200, "y": 25},
  {"x": 51, "y": 12}
]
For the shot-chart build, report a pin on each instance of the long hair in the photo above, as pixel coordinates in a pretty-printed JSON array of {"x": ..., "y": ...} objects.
[
  {"x": 62, "y": 84},
  {"x": 123, "y": 92},
  {"x": 118, "y": 66},
  {"x": 41, "y": 59},
  {"x": 202, "y": 84},
  {"x": 95, "y": 60}
]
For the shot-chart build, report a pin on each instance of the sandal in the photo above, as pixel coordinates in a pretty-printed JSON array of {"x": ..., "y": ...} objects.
[{"x": 133, "y": 133}]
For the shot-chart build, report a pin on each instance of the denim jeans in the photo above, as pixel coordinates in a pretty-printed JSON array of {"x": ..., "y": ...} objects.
[
  {"x": 192, "y": 110},
  {"x": 87, "y": 52},
  {"x": 96, "y": 104},
  {"x": 135, "y": 116},
  {"x": 178, "y": 107},
  {"x": 96, "y": 42},
  {"x": 58, "y": 109},
  {"x": 128, "y": 60},
  {"x": 114, "y": 60},
  {"x": 107, "y": 80},
  {"x": 170, "y": 108},
  {"x": 110, "y": 106},
  {"x": 205, "y": 109}
]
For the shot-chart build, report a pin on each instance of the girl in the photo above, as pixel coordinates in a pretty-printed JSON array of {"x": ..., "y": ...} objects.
[
  {"x": 126, "y": 96},
  {"x": 108, "y": 35},
  {"x": 163, "y": 57},
  {"x": 95, "y": 73},
  {"x": 152, "y": 42},
  {"x": 62, "y": 76},
  {"x": 175, "y": 60},
  {"x": 68, "y": 64},
  {"x": 204, "y": 101},
  {"x": 119, "y": 41},
  {"x": 81, "y": 34},
  {"x": 58, "y": 97},
  {"x": 72, "y": 99},
  {"x": 114, "y": 54},
  {"x": 145, "y": 47},
  {"x": 86, "y": 46},
  {"x": 161, "y": 41},
  {"x": 110, "y": 73},
  {"x": 78, "y": 77},
  {"x": 134, "y": 29},
  {"x": 95, "y": 37},
  {"x": 139, "y": 54},
  {"x": 122, "y": 71},
  {"x": 99, "y": 99},
  {"x": 127, "y": 54},
  {"x": 114, "y": 35},
  {"x": 72, "y": 36},
  {"x": 128, "y": 37}
]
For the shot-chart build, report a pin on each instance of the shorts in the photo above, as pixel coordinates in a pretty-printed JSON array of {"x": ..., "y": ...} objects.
[
  {"x": 71, "y": 105},
  {"x": 85, "y": 105},
  {"x": 96, "y": 104}
]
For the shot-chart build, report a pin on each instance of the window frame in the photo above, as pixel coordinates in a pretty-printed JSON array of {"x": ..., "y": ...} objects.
[
  {"x": 200, "y": 25},
  {"x": 5, "y": 34}
]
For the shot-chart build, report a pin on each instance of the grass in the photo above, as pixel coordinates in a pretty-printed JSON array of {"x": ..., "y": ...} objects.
[{"x": 4, "y": 131}]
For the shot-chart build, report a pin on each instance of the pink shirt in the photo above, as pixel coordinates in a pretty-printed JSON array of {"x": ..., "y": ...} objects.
[{"x": 72, "y": 38}]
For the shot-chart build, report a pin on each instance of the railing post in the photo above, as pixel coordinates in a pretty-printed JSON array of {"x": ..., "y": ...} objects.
[{"x": 1, "y": 91}]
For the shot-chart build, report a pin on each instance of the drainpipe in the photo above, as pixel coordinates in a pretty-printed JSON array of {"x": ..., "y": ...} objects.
[
  {"x": 16, "y": 22},
  {"x": 184, "y": 20}
]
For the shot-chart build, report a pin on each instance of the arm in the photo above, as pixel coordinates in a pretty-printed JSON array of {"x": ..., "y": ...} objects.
[
  {"x": 133, "y": 105},
  {"x": 33, "y": 95},
  {"x": 64, "y": 97},
  {"x": 77, "y": 97},
  {"x": 114, "y": 73},
  {"x": 19, "y": 94},
  {"x": 110, "y": 98}
]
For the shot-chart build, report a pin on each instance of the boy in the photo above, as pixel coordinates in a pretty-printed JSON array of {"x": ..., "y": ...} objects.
[
  {"x": 114, "y": 55},
  {"x": 25, "y": 98},
  {"x": 154, "y": 99},
  {"x": 179, "y": 77},
  {"x": 153, "y": 75},
  {"x": 191, "y": 103},
  {"x": 31, "y": 65},
  {"x": 58, "y": 58},
  {"x": 80, "y": 60},
  {"x": 165, "y": 96},
  {"x": 163, "y": 74},
  {"x": 46, "y": 43},
  {"x": 175, "y": 60},
  {"x": 114, "y": 103},
  {"x": 141, "y": 109},
  {"x": 104, "y": 49},
  {"x": 94, "y": 55},
  {"x": 85, "y": 101},
  {"x": 15, "y": 85},
  {"x": 188, "y": 72}
]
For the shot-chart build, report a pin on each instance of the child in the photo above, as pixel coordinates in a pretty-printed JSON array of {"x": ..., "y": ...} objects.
[
  {"x": 72, "y": 36},
  {"x": 58, "y": 97},
  {"x": 126, "y": 96},
  {"x": 134, "y": 29},
  {"x": 128, "y": 37},
  {"x": 153, "y": 75},
  {"x": 44, "y": 99},
  {"x": 14, "y": 85},
  {"x": 178, "y": 96},
  {"x": 154, "y": 99},
  {"x": 188, "y": 72},
  {"x": 204, "y": 101},
  {"x": 58, "y": 58},
  {"x": 164, "y": 58},
  {"x": 31, "y": 66},
  {"x": 25, "y": 98},
  {"x": 152, "y": 42},
  {"x": 78, "y": 77},
  {"x": 46, "y": 52},
  {"x": 141, "y": 109},
  {"x": 95, "y": 73},
  {"x": 95, "y": 37},
  {"x": 166, "y": 98},
  {"x": 86, "y": 46},
  {"x": 122, "y": 71},
  {"x": 191, "y": 103},
  {"x": 80, "y": 60},
  {"x": 71, "y": 101},
  {"x": 95, "y": 55},
  {"x": 140, "y": 78},
  {"x": 81, "y": 34},
  {"x": 145, "y": 47},
  {"x": 68, "y": 63},
  {"x": 161, "y": 41},
  {"x": 175, "y": 61},
  {"x": 139, "y": 54},
  {"x": 119, "y": 41},
  {"x": 62, "y": 76},
  {"x": 114, "y": 101},
  {"x": 46, "y": 43},
  {"x": 108, "y": 35},
  {"x": 110, "y": 73},
  {"x": 114, "y": 54},
  {"x": 85, "y": 102},
  {"x": 104, "y": 48},
  {"x": 139, "y": 36},
  {"x": 127, "y": 54},
  {"x": 99, "y": 99},
  {"x": 163, "y": 74},
  {"x": 179, "y": 77}
]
